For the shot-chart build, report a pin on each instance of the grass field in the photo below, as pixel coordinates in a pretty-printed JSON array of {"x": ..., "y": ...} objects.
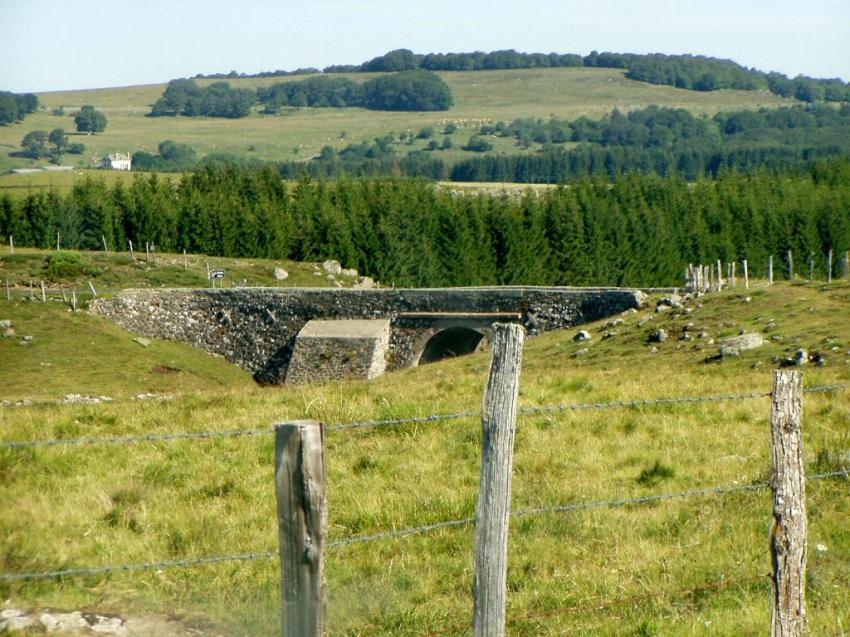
[
  {"x": 112, "y": 271},
  {"x": 98, "y": 505},
  {"x": 299, "y": 134}
]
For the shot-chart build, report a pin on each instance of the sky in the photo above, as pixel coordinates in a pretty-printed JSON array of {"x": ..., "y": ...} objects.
[{"x": 48, "y": 45}]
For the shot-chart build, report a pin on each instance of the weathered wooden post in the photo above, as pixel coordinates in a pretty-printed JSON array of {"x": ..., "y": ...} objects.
[
  {"x": 43, "y": 293},
  {"x": 74, "y": 300},
  {"x": 57, "y": 241},
  {"x": 770, "y": 270},
  {"x": 12, "y": 244},
  {"x": 719, "y": 276},
  {"x": 790, "y": 266},
  {"x": 64, "y": 296},
  {"x": 93, "y": 291},
  {"x": 746, "y": 276},
  {"x": 788, "y": 536},
  {"x": 734, "y": 278},
  {"x": 185, "y": 261},
  {"x": 132, "y": 254},
  {"x": 105, "y": 249},
  {"x": 302, "y": 522},
  {"x": 811, "y": 268},
  {"x": 492, "y": 518},
  {"x": 829, "y": 266}
]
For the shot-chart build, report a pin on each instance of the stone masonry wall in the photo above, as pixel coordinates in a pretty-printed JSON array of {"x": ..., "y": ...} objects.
[{"x": 256, "y": 327}]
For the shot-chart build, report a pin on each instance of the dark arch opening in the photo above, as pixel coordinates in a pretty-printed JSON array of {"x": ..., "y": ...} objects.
[{"x": 454, "y": 341}]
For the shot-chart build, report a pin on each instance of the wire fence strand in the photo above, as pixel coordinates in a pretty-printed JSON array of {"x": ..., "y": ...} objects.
[
  {"x": 364, "y": 424},
  {"x": 400, "y": 533},
  {"x": 613, "y": 603}
]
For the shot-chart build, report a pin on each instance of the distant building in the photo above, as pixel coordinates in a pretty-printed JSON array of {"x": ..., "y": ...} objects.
[{"x": 118, "y": 161}]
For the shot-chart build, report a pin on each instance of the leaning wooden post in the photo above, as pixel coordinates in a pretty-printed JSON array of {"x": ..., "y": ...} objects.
[
  {"x": 132, "y": 254},
  {"x": 494, "y": 495},
  {"x": 105, "y": 249},
  {"x": 746, "y": 276},
  {"x": 302, "y": 522},
  {"x": 93, "y": 291},
  {"x": 788, "y": 537}
]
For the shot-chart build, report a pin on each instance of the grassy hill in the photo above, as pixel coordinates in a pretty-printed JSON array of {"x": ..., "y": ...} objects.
[
  {"x": 301, "y": 133},
  {"x": 113, "y": 504}
]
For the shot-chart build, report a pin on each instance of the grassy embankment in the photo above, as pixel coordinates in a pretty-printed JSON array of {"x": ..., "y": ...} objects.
[
  {"x": 301, "y": 133},
  {"x": 63, "y": 507}
]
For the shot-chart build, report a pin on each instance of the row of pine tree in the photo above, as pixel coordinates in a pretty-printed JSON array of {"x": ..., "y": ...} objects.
[{"x": 641, "y": 230}]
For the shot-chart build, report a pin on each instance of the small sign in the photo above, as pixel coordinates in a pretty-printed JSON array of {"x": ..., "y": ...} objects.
[{"x": 216, "y": 274}]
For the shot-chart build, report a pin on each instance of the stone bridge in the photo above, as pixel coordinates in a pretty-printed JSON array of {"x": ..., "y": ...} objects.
[{"x": 297, "y": 334}]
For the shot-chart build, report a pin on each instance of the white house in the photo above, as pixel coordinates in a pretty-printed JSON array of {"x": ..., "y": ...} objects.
[{"x": 118, "y": 161}]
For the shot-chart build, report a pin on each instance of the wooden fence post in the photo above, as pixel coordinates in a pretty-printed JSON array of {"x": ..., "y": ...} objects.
[
  {"x": 788, "y": 537},
  {"x": 43, "y": 293},
  {"x": 790, "y": 266},
  {"x": 93, "y": 291},
  {"x": 12, "y": 244},
  {"x": 302, "y": 521},
  {"x": 829, "y": 266},
  {"x": 811, "y": 268},
  {"x": 770, "y": 270},
  {"x": 719, "y": 276},
  {"x": 132, "y": 254},
  {"x": 498, "y": 421},
  {"x": 74, "y": 300},
  {"x": 746, "y": 276}
]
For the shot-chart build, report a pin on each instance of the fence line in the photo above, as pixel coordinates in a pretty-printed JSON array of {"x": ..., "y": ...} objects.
[
  {"x": 420, "y": 530},
  {"x": 621, "y": 601},
  {"x": 544, "y": 409}
]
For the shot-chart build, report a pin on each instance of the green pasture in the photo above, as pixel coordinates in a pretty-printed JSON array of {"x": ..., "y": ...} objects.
[
  {"x": 638, "y": 570},
  {"x": 298, "y": 134}
]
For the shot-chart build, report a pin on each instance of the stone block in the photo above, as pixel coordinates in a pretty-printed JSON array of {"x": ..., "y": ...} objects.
[{"x": 338, "y": 349}]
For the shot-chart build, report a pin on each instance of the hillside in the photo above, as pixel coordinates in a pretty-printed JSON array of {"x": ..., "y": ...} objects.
[
  {"x": 682, "y": 567},
  {"x": 298, "y": 134}
]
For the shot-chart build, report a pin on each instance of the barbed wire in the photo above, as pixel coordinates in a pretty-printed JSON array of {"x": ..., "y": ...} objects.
[
  {"x": 160, "y": 565},
  {"x": 400, "y": 533},
  {"x": 239, "y": 433},
  {"x": 622, "y": 601}
]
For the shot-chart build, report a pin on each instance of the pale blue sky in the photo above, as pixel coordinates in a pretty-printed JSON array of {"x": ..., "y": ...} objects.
[{"x": 70, "y": 44}]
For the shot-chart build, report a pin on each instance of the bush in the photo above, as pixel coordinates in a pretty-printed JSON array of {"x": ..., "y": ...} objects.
[
  {"x": 478, "y": 144},
  {"x": 65, "y": 264}
]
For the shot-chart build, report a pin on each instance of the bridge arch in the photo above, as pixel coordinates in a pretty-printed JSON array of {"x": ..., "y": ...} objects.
[{"x": 450, "y": 342}]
